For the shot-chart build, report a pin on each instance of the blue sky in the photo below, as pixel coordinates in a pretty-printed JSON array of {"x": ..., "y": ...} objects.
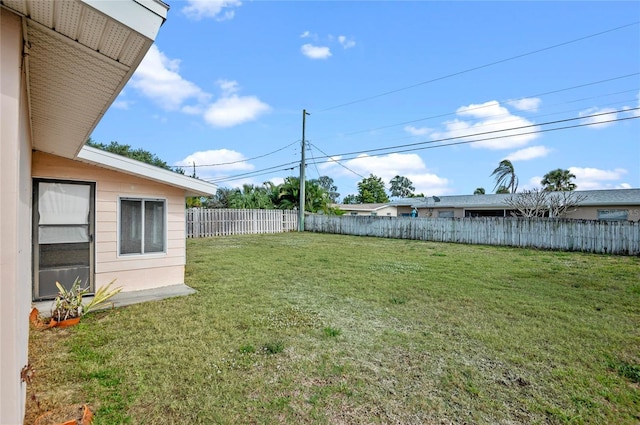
[{"x": 226, "y": 83}]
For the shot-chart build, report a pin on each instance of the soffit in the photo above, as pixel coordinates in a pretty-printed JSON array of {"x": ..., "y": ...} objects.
[{"x": 78, "y": 60}]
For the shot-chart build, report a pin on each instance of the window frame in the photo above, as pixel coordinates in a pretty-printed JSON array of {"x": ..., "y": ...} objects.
[{"x": 165, "y": 222}]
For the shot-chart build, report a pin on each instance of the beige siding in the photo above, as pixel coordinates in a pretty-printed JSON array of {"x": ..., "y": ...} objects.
[
  {"x": 133, "y": 272},
  {"x": 591, "y": 213},
  {"x": 15, "y": 221}
]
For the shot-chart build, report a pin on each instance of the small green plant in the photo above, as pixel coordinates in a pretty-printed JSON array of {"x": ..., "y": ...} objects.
[
  {"x": 331, "y": 332},
  {"x": 247, "y": 348},
  {"x": 273, "y": 347},
  {"x": 101, "y": 296},
  {"x": 626, "y": 370},
  {"x": 68, "y": 303},
  {"x": 398, "y": 300}
]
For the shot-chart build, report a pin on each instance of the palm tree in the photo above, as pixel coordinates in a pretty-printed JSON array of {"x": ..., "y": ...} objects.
[
  {"x": 505, "y": 176},
  {"x": 558, "y": 180},
  {"x": 479, "y": 191}
]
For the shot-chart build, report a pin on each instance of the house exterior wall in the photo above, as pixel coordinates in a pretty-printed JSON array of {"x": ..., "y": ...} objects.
[
  {"x": 15, "y": 221},
  {"x": 591, "y": 213},
  {"x": 133, "y": 272}
]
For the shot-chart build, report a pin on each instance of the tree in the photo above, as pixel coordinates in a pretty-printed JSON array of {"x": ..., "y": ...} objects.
[
  {"x": 541, "y": 203},
  {"x": 505, "y": 176},
  {"x": 220, "y": 199},
  {"x": 316, "y": 197},
  {"x": 502, "y": 190},
  {"x": 251, "y": 197},
  {"x": 350, "y": 199},
  {"x": 327, "y": 184},
  {"x": 137, "y": 154},
  {"x": 479, "y": 191},
  {"x": 558, "y": 180},
  {"x": 401, "y": 186},
  {"x": 371, "y": 191}
]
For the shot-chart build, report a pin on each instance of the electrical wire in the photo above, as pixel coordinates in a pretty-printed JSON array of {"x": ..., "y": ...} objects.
[
  {"x": 240, "y": 160},
  {"x": 537, "y": 116},
  {"x": 485, "y": 106},
  {"x": 337, "y": 162},
  {"x": 477, "y": 67},
  {"x": 367, "y": 151},
  {"x": 431, "y": 144}
]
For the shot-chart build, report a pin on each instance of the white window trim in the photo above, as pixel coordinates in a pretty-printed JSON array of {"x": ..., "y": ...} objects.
[{"x": 162, "y": 253}]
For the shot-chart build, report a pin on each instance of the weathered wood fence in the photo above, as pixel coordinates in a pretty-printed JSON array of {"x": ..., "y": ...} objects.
[
  {"x": 606, "y": 237},
  {"x": 201, "y": 223}
]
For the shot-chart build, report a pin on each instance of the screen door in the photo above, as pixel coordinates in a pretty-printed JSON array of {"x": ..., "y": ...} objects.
[{"x": 63, "y": 235}]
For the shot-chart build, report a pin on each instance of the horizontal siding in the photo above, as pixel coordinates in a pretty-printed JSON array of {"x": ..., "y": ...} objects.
[
  {"x": 110, "y": 186},
  {"x": 136, "y": 280}
]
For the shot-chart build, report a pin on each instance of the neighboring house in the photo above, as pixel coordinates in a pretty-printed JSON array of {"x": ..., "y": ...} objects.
[
  {"x": 613, "y": 204},
  {"x": 381, "y": 210},
  {"x": 67, "y": 210}
]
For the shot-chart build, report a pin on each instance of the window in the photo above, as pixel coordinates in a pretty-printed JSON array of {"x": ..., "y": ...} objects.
[
  {"x": 613, "y": 215},
  {"x": 445, "y": 214},
  {"x": 142, "y": 226}
]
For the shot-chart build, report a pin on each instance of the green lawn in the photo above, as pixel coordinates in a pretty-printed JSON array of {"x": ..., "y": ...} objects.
[{"x": 311, "y": 328}]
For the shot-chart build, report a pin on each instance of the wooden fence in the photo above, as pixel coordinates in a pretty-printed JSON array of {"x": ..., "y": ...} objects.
[
  {"x": 201, "y": 223},
  {"x": 605, "y": 237}
]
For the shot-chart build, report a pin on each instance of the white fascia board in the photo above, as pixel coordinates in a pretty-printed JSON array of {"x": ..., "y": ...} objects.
[
  {"x": 192, "y": 187},
  {"x": 142, "y": 16}
]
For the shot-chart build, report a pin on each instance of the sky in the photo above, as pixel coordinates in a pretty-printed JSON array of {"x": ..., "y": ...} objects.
[{"x": 438, "y": 92}]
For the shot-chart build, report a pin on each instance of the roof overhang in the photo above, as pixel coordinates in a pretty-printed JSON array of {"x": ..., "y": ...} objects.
[
  {"x": 122, "y": 164},
  {"x": 79, "y": 54}
]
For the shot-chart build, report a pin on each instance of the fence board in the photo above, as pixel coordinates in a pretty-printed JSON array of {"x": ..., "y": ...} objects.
[
  {"x": 202, "y": 223},
  {"x": 604, "y": 237}
]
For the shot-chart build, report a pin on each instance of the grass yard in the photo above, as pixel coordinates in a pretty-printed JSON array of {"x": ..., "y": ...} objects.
[{"x": 326, "y": 329}]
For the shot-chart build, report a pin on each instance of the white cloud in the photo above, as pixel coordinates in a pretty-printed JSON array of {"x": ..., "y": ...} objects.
[
  {"x": 526, "y": 104},
  {"x": 228, "y": 87},
  {"x": 389, "y": 166},
  {"x": 345, "y": 42},
  {"x": 494, "y": 121},
  {"x": 217, "y": 156},
  {"x": 417, "y": 131},
  {"x": 308, "y": 34},
  {"x": 528, "y": 153},
  {"x": 595, "y": 178},
  {"x": 158, "y": 78},
  {"x": 121, "y": 104},
  {"x": 234, "y": 110},
  {"x": 598, "y": 122},
  {"x": 315, "y": 52},
  {"x": 219, "y": 9}
]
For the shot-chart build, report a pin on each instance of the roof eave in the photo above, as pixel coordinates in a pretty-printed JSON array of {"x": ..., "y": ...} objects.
[{"x": 111, "y": 161}]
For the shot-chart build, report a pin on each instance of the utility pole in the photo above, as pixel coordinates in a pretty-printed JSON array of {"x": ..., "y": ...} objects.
[{"x": 303, "y": 165}]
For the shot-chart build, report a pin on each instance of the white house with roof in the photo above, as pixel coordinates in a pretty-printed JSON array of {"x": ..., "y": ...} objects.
[
  {"x": 381, "y": 210},
  {"x": 612, "y": 204},
  {"x": 68, "y": 210}
]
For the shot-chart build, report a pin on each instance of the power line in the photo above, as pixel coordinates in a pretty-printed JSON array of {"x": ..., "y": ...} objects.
[
  {"x": 250, "y": 173},
  {"x": 537, "y": 116},
  {"x": 486, "y": 106},
  {"x": 419, "y": 145},
  {"x": 338, "y": 162},
  {"x": 477, "y": 67},
  {"x": 331, "y": 157},
  {"x": 241, "y": 160}
]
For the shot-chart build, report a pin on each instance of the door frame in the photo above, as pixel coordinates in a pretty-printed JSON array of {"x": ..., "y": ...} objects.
[{"x": 35, "y": 251}]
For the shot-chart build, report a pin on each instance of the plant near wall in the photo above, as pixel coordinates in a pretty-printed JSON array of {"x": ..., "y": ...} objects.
[
  {"x": 68, "y": 302},
  {"x": 68, "y": 307}
]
